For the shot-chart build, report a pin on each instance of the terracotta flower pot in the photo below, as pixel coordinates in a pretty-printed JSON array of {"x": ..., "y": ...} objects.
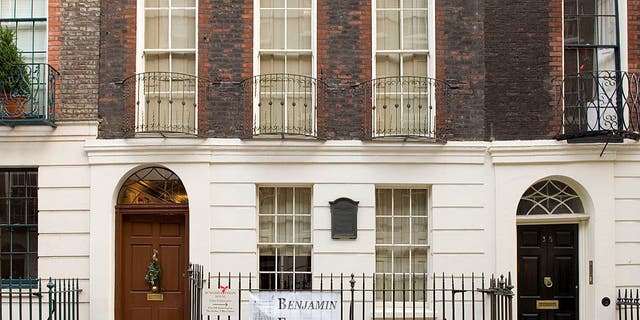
[{"x": 15, "y": 107}]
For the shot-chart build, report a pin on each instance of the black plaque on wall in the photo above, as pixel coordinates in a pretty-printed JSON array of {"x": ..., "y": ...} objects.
[{"x": 344, "y": 218}]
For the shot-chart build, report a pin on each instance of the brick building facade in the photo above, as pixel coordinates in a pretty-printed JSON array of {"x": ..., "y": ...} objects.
[{"x": 217, "y": 132}]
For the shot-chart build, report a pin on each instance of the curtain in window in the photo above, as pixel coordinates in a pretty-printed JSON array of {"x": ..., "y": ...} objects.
[
  {"x": 286, "y": 90},
  {"x": 169, "y": 85}
]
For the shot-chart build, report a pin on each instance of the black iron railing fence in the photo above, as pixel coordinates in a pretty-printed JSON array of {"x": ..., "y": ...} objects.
[
  {"x": 408, "y": 296},
  {"x": 164, "y": 101},
  {"x": 40, "y": 299},
  {"x": 28, "y": 95},
  {"x": 283, "y": 104},
  {"x": 606, "y": 102},
  {"x": 628, "y": 304},
  {"x": 403, "y": 106}
]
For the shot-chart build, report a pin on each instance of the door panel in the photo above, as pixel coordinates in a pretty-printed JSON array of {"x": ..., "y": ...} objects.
[
  {"x": 142, "y": 234},
  {"x": 548, "y": 251}
]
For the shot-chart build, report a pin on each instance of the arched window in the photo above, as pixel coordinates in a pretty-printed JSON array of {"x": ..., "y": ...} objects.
[
  {"x": 153, "y": 185},
  {"x": 549, "y": 197}
]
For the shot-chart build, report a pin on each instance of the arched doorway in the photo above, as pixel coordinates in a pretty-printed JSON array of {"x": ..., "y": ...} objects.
[
  {"x": 548, "y": 251},
  {"x": 152, "y": 247}
]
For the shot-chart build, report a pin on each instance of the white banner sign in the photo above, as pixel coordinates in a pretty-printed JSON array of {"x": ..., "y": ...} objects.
[
  {"x": 279, "y": 305},
  {"x": 221, "y": 302}
]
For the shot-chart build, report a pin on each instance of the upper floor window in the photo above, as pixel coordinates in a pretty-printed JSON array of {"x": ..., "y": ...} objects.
[
  {"x": 402, "y": 93},
  {"x": 591, "y": 66},
  {"x": 284, "y": 86},
  {"x": 28, "y": 19},
  {"x": 19, "y": 223},
  {"x": 167, "y": 82}
]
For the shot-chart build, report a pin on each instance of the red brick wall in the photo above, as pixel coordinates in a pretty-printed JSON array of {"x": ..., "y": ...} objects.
[
  {"x": 460, "y": 54},
  {"x": 344, "y": 59},
  {"x": 555, "y": 62},
  {"x": 73, "y": 51},
  {"x": 633, "y": 14},
  {"x": 118, "y": 52}
]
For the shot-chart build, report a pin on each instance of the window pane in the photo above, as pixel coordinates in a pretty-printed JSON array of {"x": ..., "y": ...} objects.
[
  {"x": 388, "y": 32},
  {"x": 401, "y": 260},
  {"x": 267, "y": 259},
  {"x": 414, "y": 4},
  {"x": 271, "y": 3},
  {"x": 299, "y": 29},
  {"x": 418, "y": 202},
  {"x": 388, "y": 3},
  {"x": 285, "y": 259},
  {"x": 266, "y": 200},
  {"x": 303, "y": 258},
  {"x": 586, "y": 30},
  {"x": 383, "y": 202},
  {"x": 383, "y": 260},
  {"x": 419, "y": 260},
  {"x": 285, "y": 281},
  {"x": 298, "y": 3},
  {"x": 285, "y": 201},
  {"x": 298, "y": 64},
  {"x": 183, "y": 3},
  {"x": 415, "y": 29},
  {"x": 401, "y": 232},
  {"x": 270, "y": 63},
  {"x": 419, "y": 231},
  {"x": 272, "y": 29},
  {"x": 303, "y": 229},
  {"x": 414, "y": 65},
  {"x": 303, "y": 201},
  {"x": 183, "y": 29},
  {"x": 285, "y": 229},
  {"x": 387, "y": 65},
  {"x": 401, "y": 202},
  {"x": 156, "y": 3},
  {"x": 156, "y": 29},
  {"x": 268, "y": 281},
  {"x": 303, "y": 281},
  {"x": 383, "y": 230},
  {"x": 184, "y": 63},
  {"x": 157, "y": 62},
  {"x": 267, "y": 229}
]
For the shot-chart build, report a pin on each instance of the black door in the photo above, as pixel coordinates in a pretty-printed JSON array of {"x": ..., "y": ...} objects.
[{"x": 548, "y": 272}]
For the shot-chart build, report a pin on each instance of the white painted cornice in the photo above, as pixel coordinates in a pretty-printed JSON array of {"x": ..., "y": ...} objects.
[
  {"x": 64, "y": 131},
  {"x": 551, "y": 151},
  {"x": 353, "y": 151}
]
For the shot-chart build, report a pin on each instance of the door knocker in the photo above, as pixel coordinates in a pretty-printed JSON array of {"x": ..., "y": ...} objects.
[
  {"x": 153, "y": 273},
  {"x": 547, "y": 282}
]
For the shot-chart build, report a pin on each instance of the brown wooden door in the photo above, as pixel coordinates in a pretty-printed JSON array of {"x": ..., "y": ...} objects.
[
  {"x": 548, "y": 251},
  {"x": 141, "y": 234}
]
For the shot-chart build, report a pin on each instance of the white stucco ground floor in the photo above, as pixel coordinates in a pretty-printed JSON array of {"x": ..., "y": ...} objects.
[{"x": 456, "y": 207}]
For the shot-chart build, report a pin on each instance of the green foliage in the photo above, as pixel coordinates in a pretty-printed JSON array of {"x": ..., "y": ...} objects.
[{"x": 14, "y": 75}]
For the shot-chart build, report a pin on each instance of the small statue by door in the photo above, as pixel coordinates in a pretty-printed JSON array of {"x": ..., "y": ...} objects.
[{"x": 153, "y": 273}]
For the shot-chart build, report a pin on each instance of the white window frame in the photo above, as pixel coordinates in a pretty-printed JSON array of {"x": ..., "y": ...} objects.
[
  {"x": 140, "y": 51},
  {"x": 429, "y": 52},
  {"x": 427, "y": 247},
  {"x": 278, "y": 245},
  {"x": 256, "y": 61}
]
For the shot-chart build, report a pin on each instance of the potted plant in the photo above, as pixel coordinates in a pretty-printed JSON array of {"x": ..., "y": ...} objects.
[{"x": 15, "y": 83}]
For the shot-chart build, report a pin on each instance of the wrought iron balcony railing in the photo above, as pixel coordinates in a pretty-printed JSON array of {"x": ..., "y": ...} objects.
[
  {"x": 404, "y": 106},
  {"x": 165, "y": 102},
  {"x": 283, "y": 104},
  {"x": 602, "y": 103},
  {"x": 27, "y": 95}
]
